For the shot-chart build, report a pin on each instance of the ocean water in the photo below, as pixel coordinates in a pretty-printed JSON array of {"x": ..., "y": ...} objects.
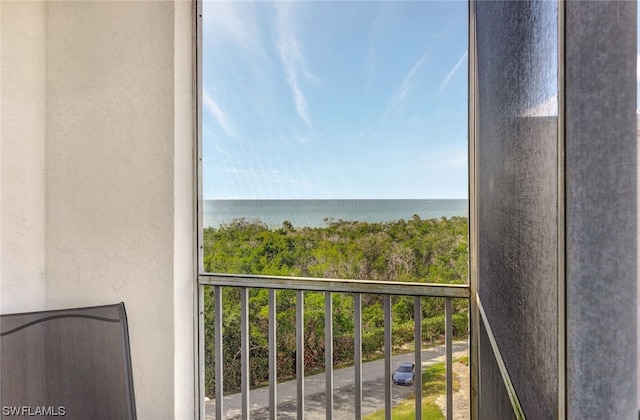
[{"x": 317, "y": 213}]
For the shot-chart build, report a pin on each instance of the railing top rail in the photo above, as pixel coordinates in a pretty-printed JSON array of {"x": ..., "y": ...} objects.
[{"x": 336, "y": 285}]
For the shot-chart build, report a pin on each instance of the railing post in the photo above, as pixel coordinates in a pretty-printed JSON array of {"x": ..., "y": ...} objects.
[
  {"x": 387, "y": 358},
  {"x": 244, "y": 350},
  {"x": 448, "y": 332},
  {"x": 357, "y": 352},
  {"x": 273, "y": 348},
  {"x": 417, "y": 325},
  {"x": 328, "y": 354},
  {"x": 201, "y": 406},
  {"x": 217, "y": 333},
  {"x": 300, "y": 352}
]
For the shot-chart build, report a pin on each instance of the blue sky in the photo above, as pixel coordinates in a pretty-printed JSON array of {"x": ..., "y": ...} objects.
[{"x": 334, "y": 100}]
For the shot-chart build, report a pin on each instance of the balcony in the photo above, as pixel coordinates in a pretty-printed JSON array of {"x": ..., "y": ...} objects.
[{"x": 216, "y": 409}]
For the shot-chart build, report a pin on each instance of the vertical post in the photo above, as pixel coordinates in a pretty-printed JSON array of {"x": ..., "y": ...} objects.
[
  {"x": 417, "y": 320},
  {"x": 273, "y": 348},
  {"x": 328, "y": 354},
  {"x": 217, "y": 332},
  {"x": 474, "y": 315},
  {"x": 244, "y": 350},
  {"x": 198, "y": 218},
  {"x": 601, "y": 210},
  {"x": 300, "y": 352},
  {"x": 448, "y": 332},
  {"x": 357, "y": 352},
  {"x": 387, "y": 358},
  {"x": 201, "y": 290},
  {"x": 562, "y": 295}
]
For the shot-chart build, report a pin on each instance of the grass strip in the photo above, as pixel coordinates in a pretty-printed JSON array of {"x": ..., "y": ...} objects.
[{"x": 433, "y": 385}]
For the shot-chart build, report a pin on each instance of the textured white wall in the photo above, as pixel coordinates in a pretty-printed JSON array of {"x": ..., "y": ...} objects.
[
  {"x": 97, "y": 176},
  {"x": 22, "y": 150}
]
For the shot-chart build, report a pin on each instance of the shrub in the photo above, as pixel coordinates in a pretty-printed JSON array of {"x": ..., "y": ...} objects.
[
  {"x": 433, "y": 328},
  {"x": 372, "y": 342},
  {"x": 402, "y": 334},
  {"x": 343, "y": 347}
]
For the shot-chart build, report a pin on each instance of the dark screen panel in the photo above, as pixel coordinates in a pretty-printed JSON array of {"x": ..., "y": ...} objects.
[
  {"x": 492, "y": 391},
  {"x": 518, "y": 199}
]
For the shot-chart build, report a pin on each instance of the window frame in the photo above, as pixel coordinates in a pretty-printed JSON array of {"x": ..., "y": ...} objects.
[{"x": 199, "y": 274}]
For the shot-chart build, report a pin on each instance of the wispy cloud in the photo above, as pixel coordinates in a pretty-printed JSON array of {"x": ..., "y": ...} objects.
[
  {"x": 407, "y": 84},
  {"x": 452, "y": 72},
  {"x": 294, "y": 63},
  {"x": 406, "y": 87},
  {"x": 370, "y": 59},
  {"x": 220, "y": 115},
  {"x": 370, "y": 66},
  {"x": 270, "y": 176},
  {"x": 232, "y": 22}
]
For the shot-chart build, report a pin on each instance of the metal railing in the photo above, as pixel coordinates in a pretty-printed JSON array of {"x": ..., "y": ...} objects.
[{"x": 327, "y": 286}]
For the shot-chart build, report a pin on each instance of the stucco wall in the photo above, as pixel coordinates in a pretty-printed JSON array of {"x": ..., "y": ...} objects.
[
  {"x": 97, "y": 169},
  {"x": 22, "y": 157}
]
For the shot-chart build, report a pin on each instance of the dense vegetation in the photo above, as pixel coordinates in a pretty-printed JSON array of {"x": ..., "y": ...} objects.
[{"x": 430, "y": 251}]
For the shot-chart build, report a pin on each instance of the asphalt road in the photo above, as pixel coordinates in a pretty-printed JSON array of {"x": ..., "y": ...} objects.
[{"x": 343, "y": 389}]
